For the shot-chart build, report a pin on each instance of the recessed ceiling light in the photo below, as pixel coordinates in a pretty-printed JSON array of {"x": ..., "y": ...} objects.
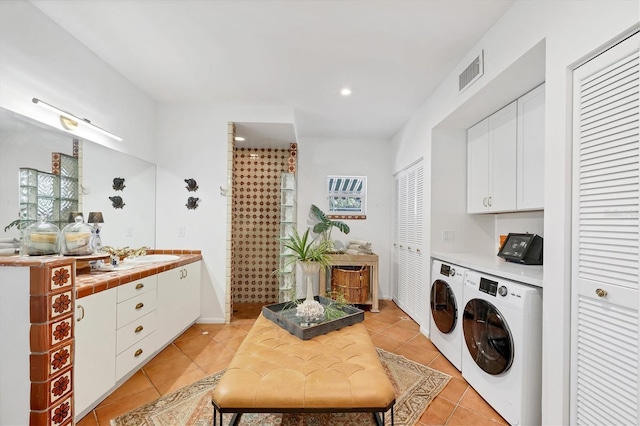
[
  {"x": 238, "y": 139},
  {"x": 345, "y": 92}
]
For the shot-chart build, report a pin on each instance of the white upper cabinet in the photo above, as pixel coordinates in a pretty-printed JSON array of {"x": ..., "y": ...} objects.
[
  {"x": 505, "y": 158},
  {"x": 491, "y": 163},
  {"x": 530, "y": 177}
]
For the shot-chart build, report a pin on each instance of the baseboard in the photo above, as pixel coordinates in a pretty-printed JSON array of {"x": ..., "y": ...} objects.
[{"x": 202, "y": 320}]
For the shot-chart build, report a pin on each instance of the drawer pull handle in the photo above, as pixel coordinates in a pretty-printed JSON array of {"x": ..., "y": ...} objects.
[
  {"x": 139, "y": 329},
  {"x": 600, "y": 292},
  {"x": 138, "y": 353},
  {"x": 140, "y": 305},
  {"x": 139, "y": 286}
]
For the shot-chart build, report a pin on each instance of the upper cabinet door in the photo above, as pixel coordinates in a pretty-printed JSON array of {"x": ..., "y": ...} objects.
[
  {"x": 502, "y": 160},
  {"x": 478, "y": 167},
  {"x": 530, "y": 177}
]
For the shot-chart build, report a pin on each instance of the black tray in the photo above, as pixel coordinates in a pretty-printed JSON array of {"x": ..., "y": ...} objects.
[{"x": 284, "y": 314}]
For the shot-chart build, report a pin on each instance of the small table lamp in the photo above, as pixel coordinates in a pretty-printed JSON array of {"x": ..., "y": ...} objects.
[
  {"x": 73, "y": 215},
  {"x": 96, "y": 218}
]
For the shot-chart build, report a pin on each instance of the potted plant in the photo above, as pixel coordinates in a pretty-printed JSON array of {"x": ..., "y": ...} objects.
[
  {"x": 310, "y": 253},
  {"x": 325, "y": 224}
]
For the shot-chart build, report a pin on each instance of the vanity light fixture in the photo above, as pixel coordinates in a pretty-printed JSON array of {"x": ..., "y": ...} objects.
[
  {"x": 70, "y": 121},
  {"x": 239, "y": 139},
  {"x": 345, "y": 92}
]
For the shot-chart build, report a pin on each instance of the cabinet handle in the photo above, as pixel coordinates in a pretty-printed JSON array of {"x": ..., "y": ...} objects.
[
  {"x": 81, "y": 317},
  {"x": 484, "y": 201},
  {"x": 489, "y": 201},
  {"x": 139, "y": 286},
  {"x": 418, "y": 251},
  {"x": 140, "y": 305},
  {"x": 138, "y": 353},
  {"x": 186, "y": 273},
  {"x": 139, "y": 329},
  {"x": 600, "y": 292}
]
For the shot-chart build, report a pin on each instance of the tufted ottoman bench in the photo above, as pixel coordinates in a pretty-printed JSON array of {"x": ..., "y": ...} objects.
[{"x": 275, "y": 372}]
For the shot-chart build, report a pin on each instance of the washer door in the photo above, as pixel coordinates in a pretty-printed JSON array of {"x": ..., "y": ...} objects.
[
  {"x": 443, "y": 306},
  {"x": 487, "y": 336}
]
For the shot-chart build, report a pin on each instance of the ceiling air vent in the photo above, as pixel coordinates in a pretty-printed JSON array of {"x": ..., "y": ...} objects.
[{"x": 473, "y": 72}]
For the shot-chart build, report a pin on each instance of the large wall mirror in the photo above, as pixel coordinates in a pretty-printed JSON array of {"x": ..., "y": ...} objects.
[{"x": 25, "y": 143}]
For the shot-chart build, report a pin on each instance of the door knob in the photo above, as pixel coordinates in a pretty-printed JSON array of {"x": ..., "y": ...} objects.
[{"x": 600, "y": 292}]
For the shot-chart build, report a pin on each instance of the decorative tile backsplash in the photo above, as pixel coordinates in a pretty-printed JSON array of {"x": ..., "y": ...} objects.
[{"x": 256, "y": 223}]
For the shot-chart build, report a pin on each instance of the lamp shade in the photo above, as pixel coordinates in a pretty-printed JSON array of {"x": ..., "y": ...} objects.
[
  {"x": 95, "y": 217},
  {"x": 73, "y": 215}
]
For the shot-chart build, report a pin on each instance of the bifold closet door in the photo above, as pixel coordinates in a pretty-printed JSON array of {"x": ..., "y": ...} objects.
[
  {"x": 407, "y": 269},
  {"x": 605, "y": 252}
]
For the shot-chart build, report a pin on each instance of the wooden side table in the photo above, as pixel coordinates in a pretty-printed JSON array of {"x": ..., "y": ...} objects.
[{"x": 369, "y": 260}]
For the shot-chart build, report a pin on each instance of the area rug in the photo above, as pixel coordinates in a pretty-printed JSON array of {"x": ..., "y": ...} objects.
[{"x": 415, "y": 385}]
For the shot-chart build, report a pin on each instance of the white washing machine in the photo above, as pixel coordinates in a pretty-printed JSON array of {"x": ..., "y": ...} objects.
[
  {"x": 502, "y": 356},
  {"x": 446, "y": 310}
]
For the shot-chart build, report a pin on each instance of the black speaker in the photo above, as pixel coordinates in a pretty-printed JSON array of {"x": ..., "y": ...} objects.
[{"x": 522, "y": 248}]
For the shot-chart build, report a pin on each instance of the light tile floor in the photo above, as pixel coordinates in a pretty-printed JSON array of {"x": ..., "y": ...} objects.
[{"x": 206, "y": 348}]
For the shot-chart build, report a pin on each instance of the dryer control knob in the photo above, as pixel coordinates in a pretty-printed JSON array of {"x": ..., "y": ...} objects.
[
  {"x": 452, "y": 273},
  {"x": 503, "y": 291}
]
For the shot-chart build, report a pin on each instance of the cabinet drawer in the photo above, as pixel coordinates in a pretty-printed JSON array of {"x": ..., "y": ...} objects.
[
  {"x": 137, "y": 287},
  {"x": 135, "y": 355},
  {"x": 135, "y": 308},
  {"x": 135, "y": 331}
]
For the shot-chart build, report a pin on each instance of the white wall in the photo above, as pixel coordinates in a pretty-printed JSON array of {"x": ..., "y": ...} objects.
[
  {"x": 15, "y": 385},
  {"x": 572, "y": 31},
  {"x": 320, "y": 157},
  {"x": 192, "y": 143},
  {"x": 39, "y": 59}
]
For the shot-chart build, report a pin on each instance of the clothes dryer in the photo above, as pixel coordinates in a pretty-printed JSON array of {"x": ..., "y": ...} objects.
[
  {"x": 502, "y": 357},
  {"x": 446, "y": 310}
]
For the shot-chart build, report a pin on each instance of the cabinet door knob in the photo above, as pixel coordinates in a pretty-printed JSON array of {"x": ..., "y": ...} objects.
[
  {"x": 140, "y": 305},
  {"x": 138, "y": 353},
  {"x": 600, "y": 292},
  {"x": 139, "y": 329},
  {"x": 139, "y": 286}
]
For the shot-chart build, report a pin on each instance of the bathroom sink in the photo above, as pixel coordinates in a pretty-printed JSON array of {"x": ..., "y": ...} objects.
[
  {"x": 151, "y": 258},
  {"x": 111, "y": 268}
]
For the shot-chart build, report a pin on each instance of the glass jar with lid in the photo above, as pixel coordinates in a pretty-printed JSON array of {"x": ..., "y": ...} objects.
[
  {"x": 42, "y": 238},
  {"x": 76, "y": 238}
]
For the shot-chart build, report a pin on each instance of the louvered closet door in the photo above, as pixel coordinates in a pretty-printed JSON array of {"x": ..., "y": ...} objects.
[
  {"x": 422, "y": 276},
  {"x": 605, "y": 293},
  {"x": 402, "y": 243},
  {"x": 395, "y": 270},
  {"x": 408, "y": 270}
]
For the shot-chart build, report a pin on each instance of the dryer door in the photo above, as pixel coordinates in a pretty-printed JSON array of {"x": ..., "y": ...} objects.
[
  {"x": 443, "y": 306},
  {"x": 487, "y": 336}
]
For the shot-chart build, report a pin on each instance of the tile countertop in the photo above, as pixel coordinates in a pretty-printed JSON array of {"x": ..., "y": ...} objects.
[
  {"x": 97, "y": 281},
  {"x": 493, "y": 265}
]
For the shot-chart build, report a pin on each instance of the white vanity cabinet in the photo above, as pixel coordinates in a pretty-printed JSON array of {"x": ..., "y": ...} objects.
[
  {"x": 530, "y": 169},
  {"x": 491, "y": 163},
  {"x": 95, "y": 339},
  {"x": 136, "y": 324},
  {"x": 178, "y": 300}
]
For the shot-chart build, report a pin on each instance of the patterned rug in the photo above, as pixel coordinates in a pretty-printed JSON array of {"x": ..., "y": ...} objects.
[{"x": 416, "y": 386}]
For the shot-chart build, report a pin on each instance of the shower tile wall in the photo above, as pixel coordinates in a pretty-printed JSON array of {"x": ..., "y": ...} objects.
[{"x": 256, "y": 223}]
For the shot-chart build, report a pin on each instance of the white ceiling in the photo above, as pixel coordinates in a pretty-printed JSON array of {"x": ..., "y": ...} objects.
[{"x": 392, "y": 54}]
